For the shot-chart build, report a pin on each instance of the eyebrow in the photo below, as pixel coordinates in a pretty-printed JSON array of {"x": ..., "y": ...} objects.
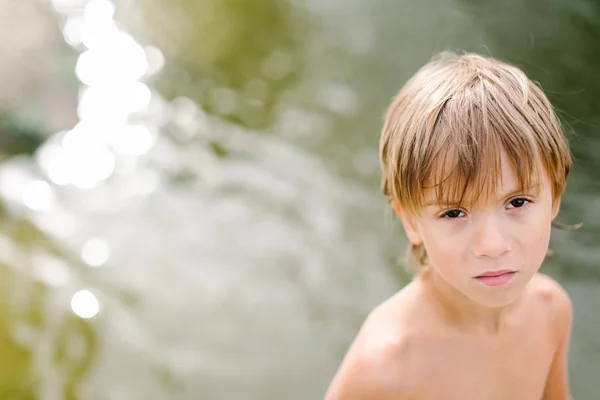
[{"x": 509, "y": 194}]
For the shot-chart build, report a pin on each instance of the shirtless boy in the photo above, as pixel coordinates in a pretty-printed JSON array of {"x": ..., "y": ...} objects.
[{"x": 474, "y": 163}]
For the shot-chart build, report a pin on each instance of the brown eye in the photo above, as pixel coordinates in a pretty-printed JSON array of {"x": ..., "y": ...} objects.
[
  {"x": 517, "y": 203},
  {"x": 452, "y": 214}
]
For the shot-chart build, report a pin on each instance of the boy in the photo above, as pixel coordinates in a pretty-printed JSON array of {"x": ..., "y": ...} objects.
[{"x": 474, "y": 163}]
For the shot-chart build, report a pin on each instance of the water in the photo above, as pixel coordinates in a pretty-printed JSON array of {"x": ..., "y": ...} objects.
[{"x": 236, "y": 247}]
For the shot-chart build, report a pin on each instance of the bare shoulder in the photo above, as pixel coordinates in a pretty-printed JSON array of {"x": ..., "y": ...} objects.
[
  {"x": 381, "y": 363},
  {"x": 549, "y": 292},
  {"x": 548, "y": 295}
]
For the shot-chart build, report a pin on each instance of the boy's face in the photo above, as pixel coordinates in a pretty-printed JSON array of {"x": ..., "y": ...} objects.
[{"x": 508, "y": 231}]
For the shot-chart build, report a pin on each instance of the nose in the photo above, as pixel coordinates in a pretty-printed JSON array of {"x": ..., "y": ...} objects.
[{"x": 489, "y": 238}]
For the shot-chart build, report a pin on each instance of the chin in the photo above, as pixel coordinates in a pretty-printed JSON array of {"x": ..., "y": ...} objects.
[{"x": 498, "y": 299}]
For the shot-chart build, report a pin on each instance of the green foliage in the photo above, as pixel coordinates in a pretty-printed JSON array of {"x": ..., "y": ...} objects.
[{"x": 235, "y": 58}]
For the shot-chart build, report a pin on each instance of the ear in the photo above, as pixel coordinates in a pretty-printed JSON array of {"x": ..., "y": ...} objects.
[
  {"x": 408, "y": 221},
  {"x": 555, "y": 208}
]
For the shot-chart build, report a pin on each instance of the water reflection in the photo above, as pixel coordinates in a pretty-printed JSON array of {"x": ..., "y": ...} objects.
[
  {"x": 198, "y": 226},
  {"x": 85, "y": 304},
  {"x": 37, "y": 195},
  {"x": 95, "y": 252}
]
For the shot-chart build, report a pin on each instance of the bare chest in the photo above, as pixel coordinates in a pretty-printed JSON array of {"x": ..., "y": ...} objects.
[{"x": 458, "y": 368}]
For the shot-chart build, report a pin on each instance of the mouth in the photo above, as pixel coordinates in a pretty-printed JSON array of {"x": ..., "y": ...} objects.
[{"x": 496, "y": 278}]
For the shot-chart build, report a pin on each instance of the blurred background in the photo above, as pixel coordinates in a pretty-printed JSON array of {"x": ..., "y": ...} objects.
[{"x": 189, "y": 200}]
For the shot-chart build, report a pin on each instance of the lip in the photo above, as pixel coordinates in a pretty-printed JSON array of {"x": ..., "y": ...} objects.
[
  {"x": 494, "y": 273},
  {"x": 496, "y": 278}
]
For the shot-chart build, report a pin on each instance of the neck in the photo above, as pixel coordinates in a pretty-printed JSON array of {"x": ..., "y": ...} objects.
[{"x": 461, "y": 311}]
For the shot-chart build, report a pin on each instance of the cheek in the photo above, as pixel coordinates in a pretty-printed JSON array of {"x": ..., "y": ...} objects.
[
  {"x": 539, "y": 239},
  {"x": 535, "y": 238},
  {"x": 444, "y": 245}
]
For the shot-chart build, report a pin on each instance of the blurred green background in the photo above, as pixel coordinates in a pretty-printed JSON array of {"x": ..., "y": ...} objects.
[{"x": 189, "y": 202}]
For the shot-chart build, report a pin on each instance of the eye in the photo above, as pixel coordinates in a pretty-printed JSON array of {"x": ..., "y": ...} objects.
[
  {"x": 453, "y": 214},
  {"x": 518, "y": 202}
]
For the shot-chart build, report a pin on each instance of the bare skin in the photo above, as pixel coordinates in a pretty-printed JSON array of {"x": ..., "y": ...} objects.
[{"x": 413, "y": 347}]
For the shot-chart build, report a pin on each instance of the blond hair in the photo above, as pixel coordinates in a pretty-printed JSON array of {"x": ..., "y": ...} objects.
[{"x": 449, "y": 124}]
